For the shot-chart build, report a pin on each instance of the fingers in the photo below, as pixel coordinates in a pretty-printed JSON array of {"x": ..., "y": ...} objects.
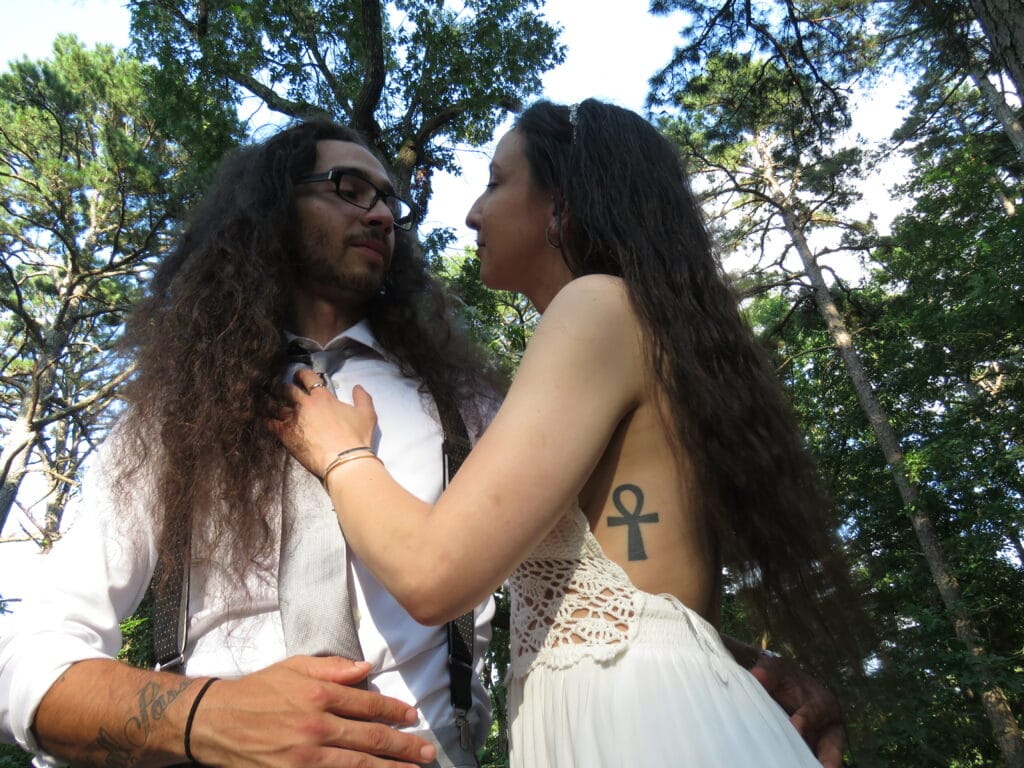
[
  {"x": 380, "y": 740},
  {"x": 332, "y": 669},
  {"x": 822, "y": 733},
  {"x": 300, "y": 712},
  {"x": 830, "y": 748},
  {"x": 369, "y": 705},
  {"x": 815, "y": 711},
  {"x": 359, "y": 716},
  {"x": 768, "y": 678},
  {"x": 353, "y": 702},
  {"x": 308, "y": 380},
  {"x": 364, "y": 406}
]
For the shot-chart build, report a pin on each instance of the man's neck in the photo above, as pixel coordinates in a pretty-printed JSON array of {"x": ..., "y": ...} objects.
[{"x": 320, "y": 319}]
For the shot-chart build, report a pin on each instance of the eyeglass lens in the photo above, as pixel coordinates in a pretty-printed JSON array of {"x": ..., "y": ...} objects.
[{"x": 363, "y": 194}]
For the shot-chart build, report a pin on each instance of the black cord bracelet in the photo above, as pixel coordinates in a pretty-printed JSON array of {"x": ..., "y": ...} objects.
[{"x": 192, "y": 716}]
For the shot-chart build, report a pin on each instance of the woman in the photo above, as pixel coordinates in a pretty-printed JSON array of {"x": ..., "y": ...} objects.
[{"x": 644, "y": 444}]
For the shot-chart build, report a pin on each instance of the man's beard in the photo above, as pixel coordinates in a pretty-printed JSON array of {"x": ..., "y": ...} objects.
[
  {"x": 331, "y": 275},
  {"x": 366, "y": 284}
]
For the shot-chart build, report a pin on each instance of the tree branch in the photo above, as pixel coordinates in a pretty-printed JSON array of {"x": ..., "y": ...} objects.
[{"x": 368, "y": 99}]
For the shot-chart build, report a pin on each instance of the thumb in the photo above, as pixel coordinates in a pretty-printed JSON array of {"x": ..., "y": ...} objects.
[
  {"x": 363, "y": 403},
  {"x": 766, "y": 677}
]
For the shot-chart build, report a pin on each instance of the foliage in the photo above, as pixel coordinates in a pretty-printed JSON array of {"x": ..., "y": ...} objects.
[
  {"x": 936, "y": 325},
  {"x": 945, "y": 45},
  {"x": 91, "y": 187},
  {"x": 12, "y": 756},
  {"x": 913, "y": 709},
  {"x": 137, "y": 635},
  {"x": 500, "y": 321},
  {"x": 819, "y": 47},
  {"x": 496, "y": 663},
  {"x": 415, "y": 76},
  {"x": 740, "y": 128}
]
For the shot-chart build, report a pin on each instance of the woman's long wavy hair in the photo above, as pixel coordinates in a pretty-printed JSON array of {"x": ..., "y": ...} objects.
[
  {"x": 629, "y": 212},
  {"x": 207, "y": 340}
]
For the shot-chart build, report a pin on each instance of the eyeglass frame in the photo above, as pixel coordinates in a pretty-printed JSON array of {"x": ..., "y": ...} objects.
[{"x": 335, "y": 174}]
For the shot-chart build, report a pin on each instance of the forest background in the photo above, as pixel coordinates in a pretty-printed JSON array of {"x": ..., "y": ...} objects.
[{"x": 906, "y": 371}]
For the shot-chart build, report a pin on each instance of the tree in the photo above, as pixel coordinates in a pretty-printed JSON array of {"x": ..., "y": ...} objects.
[
  {"x": 821, "y": 48},
  {"x": 1002, "y": 21},
  {"x": 500, "y": 321},
  {"x": 747, "y": 119},
  {"x": 833, "y": 45},
  {"x": 414, "y": 77},
  {"x": 90, "y": 191},
  {"x": 945, "y": 44},
  {"x": 941, "y": 316}
]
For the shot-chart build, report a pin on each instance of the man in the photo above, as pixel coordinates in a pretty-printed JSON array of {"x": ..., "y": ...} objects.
[
  {"x": 298, "y": 240},
  {"x": 267, "y": 252}
]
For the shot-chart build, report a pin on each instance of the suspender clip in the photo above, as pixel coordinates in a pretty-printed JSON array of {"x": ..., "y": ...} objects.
[
  {"x": 465, "y": 733},
  {"x": 171, "y": 665}
]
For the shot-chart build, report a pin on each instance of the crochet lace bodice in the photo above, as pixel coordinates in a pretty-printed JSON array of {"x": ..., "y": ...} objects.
[{"x": 569, "y": 601}]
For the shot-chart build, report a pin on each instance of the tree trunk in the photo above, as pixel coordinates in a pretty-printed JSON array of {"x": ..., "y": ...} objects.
[
  {"x": 26, "y": 431},
  {"x": 16, "y": 449},
  {"x": 1002, "y": 21},
  {"x": 57, "y": 497},
  {"x": 1007, "y": 117},
  {"x": 1004, "y": 725}
]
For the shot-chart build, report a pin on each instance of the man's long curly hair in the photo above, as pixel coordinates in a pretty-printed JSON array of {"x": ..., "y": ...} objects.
[
  {"x": 207, "y": 340},
  {"x": 629, "y": 212}
]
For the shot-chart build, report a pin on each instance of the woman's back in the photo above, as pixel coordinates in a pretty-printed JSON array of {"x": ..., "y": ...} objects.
[{"x": 640, "y": 500}]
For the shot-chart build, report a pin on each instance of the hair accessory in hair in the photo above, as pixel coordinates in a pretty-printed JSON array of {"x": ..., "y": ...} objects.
[{"x": 573, "y": 119}]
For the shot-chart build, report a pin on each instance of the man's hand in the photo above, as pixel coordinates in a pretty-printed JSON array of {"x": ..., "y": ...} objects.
[
  {"x": 299, "y": 712},
  {"x": 302, "y": 712},
  {"x": 814, "y": 711}
]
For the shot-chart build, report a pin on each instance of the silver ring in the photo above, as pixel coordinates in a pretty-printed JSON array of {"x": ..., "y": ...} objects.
[{"x": 319, "y": 384}]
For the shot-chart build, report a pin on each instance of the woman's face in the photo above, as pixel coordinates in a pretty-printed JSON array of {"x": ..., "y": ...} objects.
[{"x": 511, "y": 219}]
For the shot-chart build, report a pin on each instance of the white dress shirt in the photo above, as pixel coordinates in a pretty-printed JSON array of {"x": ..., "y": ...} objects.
[{"x": 97, "y": 574}]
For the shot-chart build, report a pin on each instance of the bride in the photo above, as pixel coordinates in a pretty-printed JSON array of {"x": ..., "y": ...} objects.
[{"x": 643, "y": 445}]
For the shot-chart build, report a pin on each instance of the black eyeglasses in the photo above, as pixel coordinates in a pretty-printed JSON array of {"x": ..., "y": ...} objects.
[{"x": 354, "y": 189}]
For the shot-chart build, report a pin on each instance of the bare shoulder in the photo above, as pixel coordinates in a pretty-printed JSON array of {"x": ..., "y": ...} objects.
[
  {"x": 590, "y": 328},
  {"x": 593, "y": 288},
  {"x": 595, "y": 304}
]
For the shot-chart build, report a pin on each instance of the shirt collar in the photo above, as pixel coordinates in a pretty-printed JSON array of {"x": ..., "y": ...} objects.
[{"x": 359, "y": 332}]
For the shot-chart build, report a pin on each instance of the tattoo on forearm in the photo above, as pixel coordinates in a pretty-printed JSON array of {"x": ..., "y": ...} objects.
[
  {"x": 117, "y": 756},
  {"x": 153, "y": 701},
  {"x": 633, "y": 518}
]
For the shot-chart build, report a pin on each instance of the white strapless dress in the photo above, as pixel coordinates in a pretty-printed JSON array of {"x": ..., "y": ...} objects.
[{"x": 605, "y": 676}]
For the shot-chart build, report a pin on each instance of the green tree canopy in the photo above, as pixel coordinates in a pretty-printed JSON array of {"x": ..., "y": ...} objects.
[
  {"x": 415, "y": 76},
  {"x": 91, "y": 189}
]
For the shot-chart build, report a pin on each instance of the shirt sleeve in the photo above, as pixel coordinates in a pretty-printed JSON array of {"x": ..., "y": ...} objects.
[{"x": 73, "y": 601}]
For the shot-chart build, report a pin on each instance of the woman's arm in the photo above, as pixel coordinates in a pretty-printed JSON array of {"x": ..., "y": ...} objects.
[{"x": 581, "y": 373}]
